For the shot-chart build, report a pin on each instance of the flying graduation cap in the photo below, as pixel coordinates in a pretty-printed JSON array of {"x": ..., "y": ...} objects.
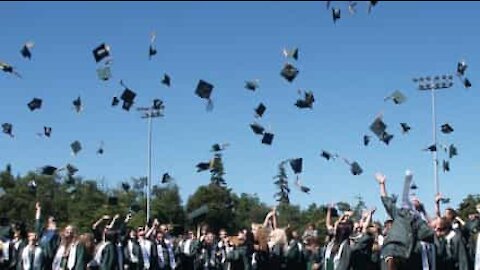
[
  {"x": 7, "y": 128},
  {"x": 397, "y": 97},
  {"x": 379, "y": 128},
  {"x": 355, "y": 168},
  {"x": 204, "y": 91},
  {"x": 452, "y": 151},
  {"x": 166, "y": 178},
  {"x": 35, "y": 104},
  {"x": 166, "y": 80},
  {"x": 252, "y": 85},
  {"x": 101, "y": 52},
  {"x": 115, "y": 101},
  {"x": 289, "y": 72},
  {"x": 48, "y": 170},
  {"x": 77, "y": 104},
  {"x": 267, "y": 138},
  {"x": 100, "y": 149},
  {"x": 302, "y": 188},
  {"x": 461, "y": 68},
  {"x": 25, "y": 51},
  {"x": 125, "y": 186},
  {"x": 9, "y": 69},
  {"x": 405, "y": 128},
  {"x": 296, "y": 165},
  {"x": 431, "y": 148},
  {"x": 203, "y": 166},
  {"x": 151, "y": 49},
  {"x": 219, "y": 147},
  {"x": 104, "y": 73},
  {"x": 260, "y": 110},
  {"x": 366, "y": 140},
  {"x": 293, "y": 53},
  {"x": 467, "y": 83},
  {"x": 371, "y": 5},
  {"x": 128, "y": 97},
  {"x": 352, "y": 7},
  {"x": 336, "y": 14},
  {"x": 307, "y": 101},
  {"x": 47, "y": 131},
  {"x": 327, "y": 155},
  {"x": 446, "y": 166},
  {"x": 257, "y": 128},
  {"x": 76, "y": 147},
  {"x": 446, "y": 128}
]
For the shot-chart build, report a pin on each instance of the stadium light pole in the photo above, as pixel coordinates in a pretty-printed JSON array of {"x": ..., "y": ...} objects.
[
  {"x": 155, "y": 111},
  {"x": 432, "y": 84}
]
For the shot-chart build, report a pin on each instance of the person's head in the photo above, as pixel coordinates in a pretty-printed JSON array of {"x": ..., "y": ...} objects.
[
  {"x": 204, "y": 229},
  {"x": 163, "y": 228},
  {"x": 69, "y": 234},
  {"x": 19, "y": 231},
  {"x": 141, "y": 232},
  {"x": 278, "y": 237},
  {"x": 51, "y": 223},
  {"x": 190, "y": 234},
  {"x": 450, "y": 214},
  {"x": 209, "y": 238},
  {"x": 417, "y": 205},
  {"x": 311, "y": 227},
  {"x": 88, "y": 241},
  {"x": 133, "y": 234},
  {"x": 32, "y": 238},
  {"x": 443, "y": 227},
  {"x": 255, "y": 227},
  {"x": 159, "y": 236},
  {"x": 222, "y": 234},
  {"x": 344, "y": 230},
  {"x": 111, "y": 236}
]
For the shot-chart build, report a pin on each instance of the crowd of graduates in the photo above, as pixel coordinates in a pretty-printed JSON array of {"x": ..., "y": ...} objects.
[{"x": 409, "y": 239}]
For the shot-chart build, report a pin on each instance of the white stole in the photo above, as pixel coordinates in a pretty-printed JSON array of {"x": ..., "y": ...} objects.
[
  {"x": 161, "y": 259},
  {"x": 37, "y": 260},
  {"x": 171, "y": 254},
  {"x": 70, "y": 260},
  {"x": 428, "y": 256},
  {"x": 336, "y": 259},
  {"x": 145, "y": 246},
  {"x": 98, "y": 253},
  {"x": 5, "y": 249},
  {"x": 477, "y": 253},
  {"x": 133, "y": 257}
]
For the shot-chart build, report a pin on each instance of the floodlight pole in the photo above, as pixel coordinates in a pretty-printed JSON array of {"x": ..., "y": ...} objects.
[{"x": 434, "y": 153}]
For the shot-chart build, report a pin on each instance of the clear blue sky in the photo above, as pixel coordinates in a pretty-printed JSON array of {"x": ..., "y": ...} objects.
[{"x": 350, "y": 66}]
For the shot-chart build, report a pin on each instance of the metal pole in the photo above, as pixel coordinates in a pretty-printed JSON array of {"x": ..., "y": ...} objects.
[
  {"x": 434, "y": 153},
  {"x": 149, "y": 178}
]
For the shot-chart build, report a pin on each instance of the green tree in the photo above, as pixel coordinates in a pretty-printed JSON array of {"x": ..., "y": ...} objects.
[
  {"x": 467, "y": 206},
  {"x": 282, "y": 196},
  {"x": 167, "y": 205},
  {"x": 248, "y": 209}
]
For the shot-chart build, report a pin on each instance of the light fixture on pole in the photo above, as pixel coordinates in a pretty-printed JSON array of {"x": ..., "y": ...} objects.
[
  {"x": 156, "y": 110},
  {"x": 431, "y": 84}
]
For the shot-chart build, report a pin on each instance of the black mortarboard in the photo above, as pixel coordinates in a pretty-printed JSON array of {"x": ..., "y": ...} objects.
[
  {"x": 166, "y": 178},
  {"x": 127, "y": 97},
  {"x": 104, "y": 73},
  {"x": 355, "y": 168},
  {"x": 71, "y": 170},
  {"x": 326, "y": 155},
  {"x": 296, "y": 165},
  {"x": 397, "y": 97},
  {"x": 452, "y": 151},
  {"x": 467, "y": 83},
  {"x": 366, "y": 140},
  {"x": 77, "y": 104},
  {"x": 125, "y": 186},
  {"x": 446, "y": 128},
  {"x": 257, "y": 129},
  {"x": 115, "y": 101},
  {"x": 219, "y": 147},
  {"x": 9, "y": 69},
  {"x": 291, "y": 53},
  {"x": 100, "y": 149},
  {"x": 267, "y": 138},
  {"x": 446, "y": 166},
  {"x": 76, "y": 147},
  {"x": 251, "y": 85},
  {"x": 260, "y": 110},
  {"x": 378, "y": 127},
  {"x": 371, "y": 5},
  {"x": 35, "y": 104},
  {"x": 289, "y": 72},
  {"x": 112, "y": 200},
  {"x": 157, "y": 104},
  {"x": 7, "y": 129},
  {"x": 386, "y": 138},
  {"x": 305, "y": 189},
  {"x": 101, "y": 52},
  {"x": 405, "y": 127},
  {"x": 47, "y": 131},
  {"x": 204, "y": 91},
  {"x": 307, "y": 102},
  {"x": 461, "y": 67},
  {"x": 151, "y": 49},
  {"x": 336, "y": 14},
  {"x": 203, "y": 166},
  {"x": 25, "y": 51},
  {"x": 431, "y": 148},
  {"x": 48, "y": 170},
  {"x": 445, "y": 200},
  {"x": 166, "y": 80},
  {"x": 413, "y": 186}
]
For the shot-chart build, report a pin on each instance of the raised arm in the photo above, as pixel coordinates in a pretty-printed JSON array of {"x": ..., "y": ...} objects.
[
  {"x": 438, "y": 198},
  {"x": 274, "y": 218},
  {"x": 368, "y": 219},
  {"x": 381, "y": 181},
  {"x": 112, "y": 223},
  {"x": 95, "y": 225},
  {"x": 38, "y": 222},
  {"x": 328, "y": 219}
]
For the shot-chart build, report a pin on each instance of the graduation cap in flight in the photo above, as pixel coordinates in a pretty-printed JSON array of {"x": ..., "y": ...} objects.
[
  {"x": 327, "y": 155},
  {"x": 104, "y": 73},
  {"x": 100, "y": 149},
  {"x": 128, "y": 97},
  {"x": 461, "y": 68},
  {"x": 267, "y": 138},
  {"x": 446, "y": 166},
  {"x": 77, "y": 104},
  {"x": 336, "y": 14},
  {"x": 203, "y": 166},
  {"x": 371, "y": 5},
  {"x": 366, "y": 140},
  {"x": 7, "y": 128},
  {"x": 219, "y": 147},
  {"x": 405, "y": 128},
  {"x": 467, "y": 83},
  {"x": 296, "y": 165},
  {"x": 302, "y": 188},
  {"x": 151, "y": 49},
  {"x": 355, "y": 168},
  {"x": 32, "y": 187},
  {"x": 25, "y": 51},
  {"x": 166, "y": 80},
  {"x": 431, "y": 148},
  {"x": 289, "y": 72},
  {"x": 307, "y": 101},
  {"x": 76, "y": 147},
  {"x": 446, "y": 128},
  {"x": 452, "y": 151},
  {"x": 252, "y": 85},
  {"x": 115, "y": 101},
  {"x": 378, "y": 127},
  {"x": 257, "y": 128},
  {"x": 260, "y": 110},
  {"x": 101, "y": 52},
  {"x": 48, "y": 170},
  {"x": 125, "y": 186},
  {"x": 293, "y": 53},
  {"x": 35, "y": 104},
  {"x": 397, "y": 97},
  {"x": 204, "y": 91},
  {"x": 71, "y": 169},
  {"x": 166, "y": 178},
  {"x": 47, "y": 131},
  {"x": 9, "y": 69}
]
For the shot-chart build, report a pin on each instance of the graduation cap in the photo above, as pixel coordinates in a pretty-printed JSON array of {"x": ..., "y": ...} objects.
[
  {"x": 302, "y": 188},
  {"x": 151, "y": 49},
  {"x": 336, "y": 14},
  {"x": 327, "y": 155},
  {"x": 100, "y": 150},
  {"x": 355, "y": 168},
  {"x": 378, "y": 127},
  {"x": 291, "y": 53},
  {"x": 260, "y": 110},
  {"x": 166, "y": 80},
  {"x": 219, "y": 147},
  {"x": 461, "y": 68},
  {"x": 203, "y": 166},
  {"x": 446, "y": 128},
  {"x": 48, "y": 170},
  {"x": 267, "y": 138},
  {"x": 204, "y": 91},
  {"x": 9, "y": 69},
  {"x": 467, "y": 83},
  {"x": 101, "y": 52},
  {"x": 127, "y": 97},
  {"x": 257, "y": 129},
  {"x": 307, "y": 101},
  {"x": 251, "y": 85},
  {"x": 405, "y": 127},
  {"x": 446, "y": 166},
  {"x": 371, "y": 5},
  {"x": 76, "y": 147},
  {"x": 115, "y": 101},
  {"x": 296, "y": 165},
  {"x": 289, "y": 72},
  {"x": 7, "y": 129},
  {"x": 157, "y": 104},
  {"x": 328, "y": 4},
  {"x": 35, "y": 104},
  {"x": 452, "y": 151},
  {"x": 47, "y": 131},
  {"x": 25, "y": 51},
  {"x": 77, "y": 104},
  {"x": 413, "y": 186},
  {"x": 104, "y": 73},
  {"x": 431, "y": 148},
  {"x": 445, "y": 200},
  {"x": 351, "y": 7},
  {"x": 166, "y": 178},
  {"x": 366, "y": 140},
  {"x": 397, "y": 97}
]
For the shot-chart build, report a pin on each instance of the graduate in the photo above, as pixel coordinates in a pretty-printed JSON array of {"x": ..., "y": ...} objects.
[
  {"x": 132, "y": 252},
  {"x": 450, "y": 248},
  {"x": 208, "y": 253},
  {"x": 49, "y": 236},
  {"x": 188, "y": 250},
  {"x": 237, "y": 253},
  {"x": 163, "y": 253},
  {"x": 260, "y": 247},
  {"x": 19, "y": 241},
  {"x": 70, "y": 254},
  {"x": 146, "y": 248},
  {"x": 106, "y": 254},
  {"x": 338, "y": 253},
  {"x": 33, "y": 257}
]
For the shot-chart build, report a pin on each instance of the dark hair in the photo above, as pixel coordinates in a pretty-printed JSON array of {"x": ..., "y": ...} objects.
[
  {"x": 111, "y": 236},
  {"x": 344, "y": 230}
]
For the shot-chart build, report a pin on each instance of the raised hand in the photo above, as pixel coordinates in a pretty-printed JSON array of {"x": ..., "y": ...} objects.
[{"x": 380, "y": 177}]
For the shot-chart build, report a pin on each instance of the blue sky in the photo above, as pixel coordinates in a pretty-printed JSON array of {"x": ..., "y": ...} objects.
[{"x": 350, "y": 67}]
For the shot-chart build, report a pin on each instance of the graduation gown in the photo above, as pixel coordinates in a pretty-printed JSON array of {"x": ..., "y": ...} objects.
[
  {"x": 109, "y": 257},
  {"x": 362, "y": 253},
  {"x": 33, "y": 258},
  {"x": 294, "y": 256},
  {"x": 239, "y": 259},
  {"x": 342, "y": 260},
  {"x": 472, "y": 227},
  {"x": 49, "y": 241},
  {"x": 15, "y": 254},
  {"x": 451, "y": 252},
  {"x": 132, "y": 254},
  {"x": 208, "y": 257},
  {"x": 187, "y": 254}
]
